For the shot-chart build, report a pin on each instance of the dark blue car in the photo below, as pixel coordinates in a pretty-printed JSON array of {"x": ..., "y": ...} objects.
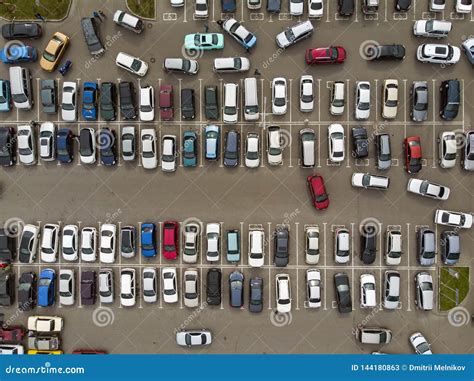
[
  {"x": 148, "y": 240},
  {"x": 46, "y": 288},
  {"x": 64, "y": 145},
  {"x": 228, "y": 5},
  {"x": 108, "y": 155},
  {"x": 16, "y": 53},
  {"x": 89, "y": 101}
]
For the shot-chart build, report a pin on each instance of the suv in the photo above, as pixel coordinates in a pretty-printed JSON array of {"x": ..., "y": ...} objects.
[
  {"x": 426, "y": 246},
  {"x": 438, "y": 53},
  {"x": 281, "y": 246},
  {"x": 127, "y": 102},
  {"x": 108, "y": 98},
  {"x": 211, "y": 106},
  {"x": 291, "y": 35},
  {"x": 89, "y": 28},
  {"x": 450, "y": 92},
  {"x": 384, "y": 152},
  {"x": 187, "y": 104},
  {"x": 213, "y": 287}
]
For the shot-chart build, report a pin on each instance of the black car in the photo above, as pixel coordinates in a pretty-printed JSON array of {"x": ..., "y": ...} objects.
[
  {"x": 343, "y": 293},
  {"x": 256, "y": 295},
  {"x": 386, "y": 52},
  {"x": 7, "y": 287},
  {"x": 360, "y": 143},
  {"x": 211, "y": 105},
  {"x": 213, "y": 288},
  {"x": 14, "y": 30},
  {"x": 7, "y": 146},
  {"x": 107, "y": 147},
  {"x": 231, "y": 149},
  {"x": 450, "y": 99},
  {"x": 274, "y": 6},
  {"x": 7, "y": 245},
  {"x": 368, "y": 244},
  {"x": 127, "y": 100},
  {"x": 48, "y": 95},
  {"x": 187, "y": 104},
  {"x": 236, "y": 289},
  {"x": 127, "y": 243},
  {"x": 108, "y": 95},
  {"x": 89, "y": 28},
  {"x": 402, "y": 5},
  {"x": 27, "y": 291},
  {"x": 88, "y": 287},
  {"x": 86, "y": 143},
  {"x": 346, "y": 7},
  {"x": 281, "y": 245}
]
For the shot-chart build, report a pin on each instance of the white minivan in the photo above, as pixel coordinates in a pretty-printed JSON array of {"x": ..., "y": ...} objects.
[
  {"x": 231, "y": 91},
  {"x": 251, "y": 109},
  {"x": 20, "y": 83}
]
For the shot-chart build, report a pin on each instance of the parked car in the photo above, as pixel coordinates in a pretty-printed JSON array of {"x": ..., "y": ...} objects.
[
  {"x": 7, "y": 146},
  {"x": 306, "y": 93},
  {"x": 337, "y": 98},
  {"x": 131, "y": 64},
  {"x": 49, "y": 243},
  {"x": 390, "y": 99},
  {"x": 252, "y": 150},
  {"x": 8, "y": 245},
  {"x": 256, "y": 247},
  {"x": 292, "y": 35},
  {"x": 368, "y": 244},
  {"x": 15, "y": 54},
  {"x": 426, "y": 246},
  {"x": 127, "y": 287},
  {"x": 385, "y": 52},
  {"x": 129, "y": 21},
  {"x": 187, "y": 104},
  {"x": 343, "y": 292},
  {"x": 413, "y": 154},
  {"x": 256, "y": 295},
  {"x": 391, "y": 299},
  {"x": 362, "y": 100},
  {"x": 450, "y": 247},
  {"x": 211, "y": 104},
  {"x": 313, "y": 288},
  {"x": 450, "y": 95},
  {"x": 468, "y": 49},
  {"x": 419, "y": 101},
  {"x": 54, "y": 52},
  {"x": 239, "y": 33},
  {"x": 204, "y": 41},
  {"x": 47, "y": 288},
  {"x": 170, "y": 239},
  {"x": 150, "y": 292},
  {"x": 384, "y": 151},
  {"x": 190, "y": 288},
  {"x": 28, "y": 243},
  {"x": 168, "y": 153},
  {"x": 26, "y": 143},
  {"x": 108, "y": 147},
  {"x": 190, "y": 149},
  {"x": 231, "y": 149},
  {"x": 18, "y": 30},
  {"x": 149, "y": 157},
  {"x": 45, "y": 324},
  {"x": 148, "y": 240},
  {"x": 127, "y": 100},
  {"x": 128, "y": 247},
  {"x": 5, "y": 96},
  {"x": 213, "y": 242},
  {"x": 326, "y": 55},
  {"x": 236, "y": 289},
  {"x": 283, "y": 293},
  {"x": 360, "y": 142},
  {"x": 87, "y": 145},
  {"x": 463, "y": 6},
  {"x": 201, "y": 9},
  {"x": 88, "y": 287},
  {"x": 166, "y": 102},
  {"x": 455, "y": 219},
  {"x": 420, "y": 344},
  {"x": 70, "y": 243},
  {"x": 432, "y": 28},
  {"x": 393, "y": 246},
  {"x": 368, "y": 297},
  {"x": 89, "y": 28},
  {"x": 336, "y": 143},
  {"x": 106, "y": 286},
  {"x": 315, "y": 8},
  {"x": 342, "y": 245},
  {"x": 424, "y": 299},
  {"x": 170, "y": 285},
  {"x": 69, "y": 102},
  {"x": 108, "y": 99},
  {"x": 213, "y": 287},
  {"x": 7, "y": 289},
  {"x": 64, "y": 146},
  {"x": 88, "y": 244},
  {"x": 212, "y": 138},
  {"x": 191, "y": 239},
  {"x": 108, "y": 235},
  {"x": 27, "y": 291},
  {"x": 281, "y": 246},
  {"x": 274, "y": 148}
]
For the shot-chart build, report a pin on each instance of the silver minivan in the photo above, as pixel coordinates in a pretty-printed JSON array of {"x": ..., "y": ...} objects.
[
  {"x": 307, "y": 141},
  {"x": 251, "y": 109},
  {"x": 20, "y": 82},
  {"x": 431, "y": 28}
]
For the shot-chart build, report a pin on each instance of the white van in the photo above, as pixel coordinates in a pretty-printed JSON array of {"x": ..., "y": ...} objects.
[
  {"x": 432, "y": 28},
  {"x": 20, "y": 82},
  {"x": 231, "y": 111},
  {"x": 374, "y": 335},
  {"x": 307, "y": 140},
  {"x": 251, "y": 109}
]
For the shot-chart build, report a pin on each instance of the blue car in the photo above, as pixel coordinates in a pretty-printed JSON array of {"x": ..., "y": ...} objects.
[
  {"x": 11, "y": 54},
  {"x": 189, "y": 149},
  {"x": 148, "y": 240},
  {"x": 212, "y": 135},
  {"x": 46, "y": 288},
  {"x": 64, "y": 146},
  {"x": 108, "y": 153},
  {"x": 89, "y": 101},
  {"x": 5, "y": 96},
  {"x": 228, "y": 5}
]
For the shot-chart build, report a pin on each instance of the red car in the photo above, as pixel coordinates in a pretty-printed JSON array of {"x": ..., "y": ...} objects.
[
  {"x": 318, "y": 192},
  {"x": 13, "y": 333},
  {"x": 166, "y": 102},
  {"x": 170, "y": 239},
  {"x": 329, "y": 55},
  {"x": 412, "y": 148}
]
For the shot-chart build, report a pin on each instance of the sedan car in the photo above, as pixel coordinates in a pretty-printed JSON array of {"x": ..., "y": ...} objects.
[
  {"x": 274, "y": 146},
  {"x": 438, "y": 53},
  {"x": 315, "y": 8},
  {"x": 193, "y": 338},
  {"x": 236, "y": 289},
  {"x": 213, "y": 242},
  {"x": 313, "y": 288},
  {"x": 362, "y": 100},
  {"x": 467, "y": 158},
  {"x": 343, "y": 292},
  {"x": 170, "y": 239},
  {"x": 326, "y": 55},
  {"x": 191, "y": 237},
  {"x": 279, "y": 96},
  {"x": 70, "y": 243},
  {"x": 190, "y": 288},
  {"x": 413, "y": 154},
  {"x": 148, "y": 240},
  {"x": 88, "y": 244},
  {"x": 88, "y": 287},
  {"x": 166, "y": 102},
  {"x": 368, "y": 181},
  {"x": 368, "y": 297},
  {"x": 312, "y": 244},
  {"x": 212, "y": 138},
  {"x": 65, "y": 145},
  {"x": 252, "y": 150},
  {"x": 170, "y": 285},
  {"x": 336, "y": 143},
  {"x": 239, "y": 33},
  {"x": 428, "y": 189},
  {"x": 68, "y": 102},
  {"x": 15, "y": 30},
  {"x": 108, "y": 99},
  {"x": 419, "y": 101},
  {"x": 27, "y": 291},
  {"x": 107, "y": 146},
  {"x": 148, "y": 151},
  {"x": 168, "y": 153},
  {"x": 283, "y": 293},
  {"x": 281, "y": 246},
  {"x": 390, "y": 98},
  {"x": 128, "y": 247},
  {"x": 150, "y": 292},
  {"x": 454, "y": 219},
  {"x": 181, "y": 65},
  {"x": 360, "y": 142},
  {"x": 204, "y": 41},
  {"x": 424, "y": 299},
  {"x": 26, "y": 142},
  {"x": 89, "y": 100},
  {"x": 108, "y": 234},
  {"x": 201, "y": 9},
  {"x": 306, "y": 93},
  {"x": 385, "y": 52},
  {"x": 463, "y": 6},
  {"x": 447, "y": 149},
  {"x": 420, "y": 344},
  {"x": 54, "y": 51},
  {"x": 190, "y": 149},
  {"x": 28, "y": 243},
  {"x": 319, "y": 196},
  {"x": 292, "y": 35},
  {"x": 46, "y": 287},
  {"x": 67, "y": 287},
  {"x": 87, "y": 145},
  {"x": 127, "y": 287}
]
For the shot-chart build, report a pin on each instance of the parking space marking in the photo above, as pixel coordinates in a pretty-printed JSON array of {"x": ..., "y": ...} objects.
[{"x": 408, "y": 267}]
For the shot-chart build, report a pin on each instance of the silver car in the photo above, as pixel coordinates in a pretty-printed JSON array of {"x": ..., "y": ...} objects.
[
  {"x": 194, "y": 338},
  {"x": 419, "y": 101},
  {"x": 467, "y": 159},
  {"x": 106, "y": 286},
  {"x": 66, "y": 287},
  {"x": 150, "y": 294},
  {"x": 191, "y": 236},
  {"x": 191, "y": 293}
]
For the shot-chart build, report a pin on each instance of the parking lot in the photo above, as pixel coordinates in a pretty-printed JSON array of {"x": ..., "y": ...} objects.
[{"x": 268, "y": 195}]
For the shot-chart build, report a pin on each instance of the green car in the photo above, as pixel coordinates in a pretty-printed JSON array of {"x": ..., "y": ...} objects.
[{"x": 204, "y": 41}]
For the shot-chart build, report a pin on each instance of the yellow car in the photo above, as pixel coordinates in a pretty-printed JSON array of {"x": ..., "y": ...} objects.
[
  {"x": 54, "y": 51},
  {"x": 36, "y": 352}
]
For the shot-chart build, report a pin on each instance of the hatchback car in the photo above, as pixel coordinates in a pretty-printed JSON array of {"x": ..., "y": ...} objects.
[
  {"x": 132, "y": 64},
  {"x": 313, "y": 288},
  {"x": 317, "y": 189},
  {"x": 450, "y": 247},
  {"x": 256, "y": 243},
  {"x": 239, "y": 33},
  {"x": 468, "y": 49},
  {"x": 438, "y": 53},
  {"x": 326, "y": 55},
  {"x": 148, "y": 240},
  {"x": 384, "y": 151},
  {"x": 336, "y": 143},
  {"x": 46, "y": 287},
  {"x": 343, "y": 292},
  {"x": 362, "y": 100},
  {"x": 170, "y": 285},
  {"x": 292, "y": 35},
  {"x": 413, "y": 154},
  {"x": 424, "y": 299},
  {"x": 170, "y": 239}
]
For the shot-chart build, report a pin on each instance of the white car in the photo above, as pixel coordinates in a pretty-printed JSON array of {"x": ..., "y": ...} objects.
[
  {"x": 428, "y": 189},
  {"x": 108, "y": 234},
  {"x": 306, "y": 93},
  {"x": 342, "y": 246},
  {"x": 231, "y": 65},
  {"x": 87, "y": 145},
  {"x": 45, "y": 323},
  {"x": 69, "y": 102},
  {"x": 393, "y": 246},
  {"x": 149, "y": 155},
  {"x": 191, "y": 293},
  {"x": 254, "y": 4},
  {"x": 315, "y": 8},
  {"x": 256, "y": 254},
  {"x": 362, "y": 100},
  {"x": 252, "y": 150},
  {"x": 293, "y": 34},
  {"x": 447, "y": 149},
  {"x": 313, "y": 288},
  {"x": 283, "y": 293},
  {"x": 150, "y": 293},
  {"x": 455, "y": 219},
  {"x": 49, "y": 243},
  {"x": 191, "y": 237},
  {"x": 390, "y": 99},
  {"x": 463, "y": 6},
  {"x": 437, "y": 5},
  {"x": 28, "y": 243},
  {"x": 368, "y": 181},
  {"x": 424, "y": 299},
  {"x": 128, "y": 287},
  {"x": 26, "y": 144},
  {"x": 311, "y": 245},
  {"x": 368, "y": 297},
  {"x": 420, "y": 344},
  {"x": 279, "y": 96},
  {"x": 438, "y": 53},
  {"x": 274, "y": 148},
  {"x": 336, "y": 104},
  {"x": 170, "y": 285},
  {"x": 132, "y": 64},
  {"x": 296, "y": 7},
  {"x": 336, "y": 143},
  {"x": 47, "y": 141},
  {"x": 67, "y": 287},
  {"x": 193, "y": 338},
  {"x": 168, "y": 154},
  {"x": 106, "y": 286},
  {"x": 70, "y": 243},
  {"x": 147, "y": 104},
  {"x": 213, "y": 232},
  {"x": 89, "y": 244},
  {"x": 177, "y": 3},
  {"x": 201, "y": 9}
]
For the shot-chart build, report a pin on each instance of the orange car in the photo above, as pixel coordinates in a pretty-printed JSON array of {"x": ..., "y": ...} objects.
[{"x": 54, "y": 51}]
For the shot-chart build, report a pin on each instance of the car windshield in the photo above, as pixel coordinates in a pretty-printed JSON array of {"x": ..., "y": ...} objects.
[
  {"x": 136, "y": 65},
  {"x": 280, "y": 102},
  {"x": 423, "y": 347},
  {"x": 289, "y": 34}
]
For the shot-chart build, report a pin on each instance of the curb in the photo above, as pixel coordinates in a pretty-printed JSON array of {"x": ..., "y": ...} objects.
[
  {"x": 142, "y": 17},
  {"x": 45, "y": 21}
]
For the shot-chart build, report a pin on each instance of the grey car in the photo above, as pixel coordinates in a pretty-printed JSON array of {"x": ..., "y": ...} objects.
[
  {"x": 450, "y": 247},
  {"x": 232, "y": 150},
  {"x": 426, "y": 246},
  {"x": 48, "y": 95},
  {"x": 256, "y": 295},
  {"x": 468, "y": 49},
  {"x": 419, "y": 101},
  {"x": 44, "y": 343},
  {"x": 384, "y": 152},
  {"x": 467, "y": 159}
]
